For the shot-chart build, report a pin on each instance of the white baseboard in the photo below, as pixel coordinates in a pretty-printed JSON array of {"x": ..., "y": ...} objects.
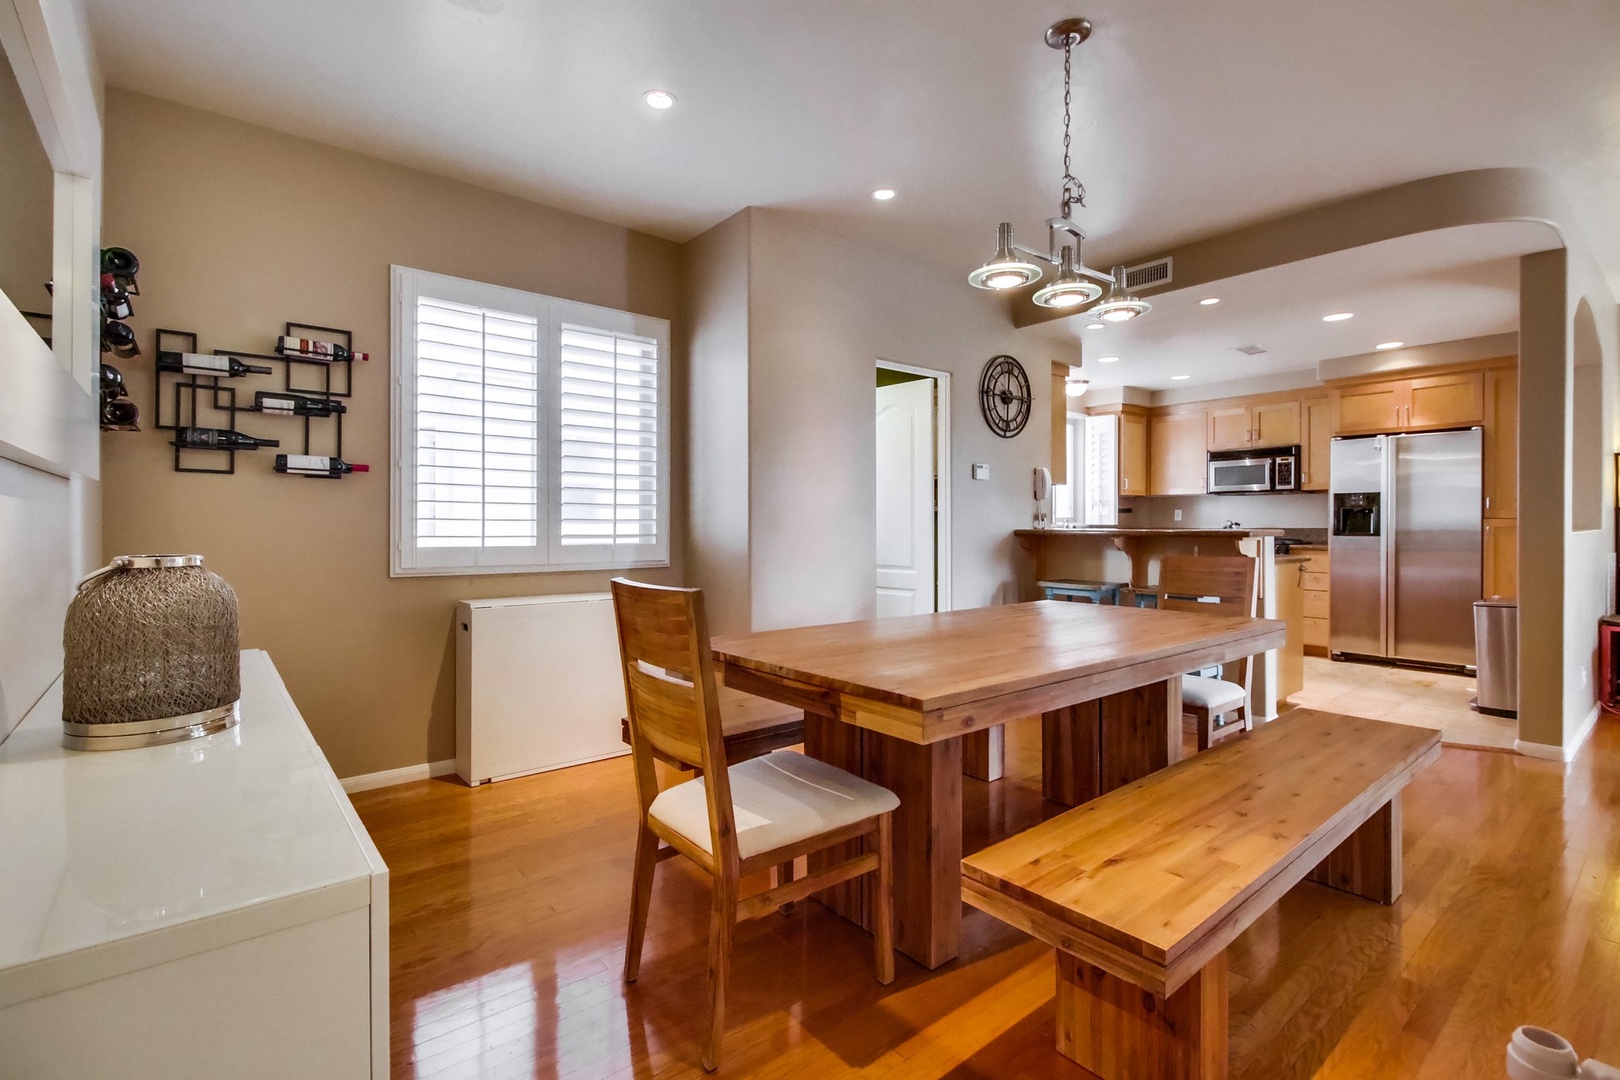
[
  {"x": 390, "y": 777},
  {"x": 1562, "y": 753}
]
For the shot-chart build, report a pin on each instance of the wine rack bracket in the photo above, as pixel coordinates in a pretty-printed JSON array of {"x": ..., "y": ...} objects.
[{"x": 186, "y": 399}]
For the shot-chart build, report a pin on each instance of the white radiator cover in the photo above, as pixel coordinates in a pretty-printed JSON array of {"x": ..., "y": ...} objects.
[{"x": 538, "y": 685}]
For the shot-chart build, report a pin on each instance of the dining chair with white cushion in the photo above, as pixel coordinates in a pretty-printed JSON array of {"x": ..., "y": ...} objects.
[
  {"x": 1221, "y": 584},
  {"x": 753, "y": 816}
]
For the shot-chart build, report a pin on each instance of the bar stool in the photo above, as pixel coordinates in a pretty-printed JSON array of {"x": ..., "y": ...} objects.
[{"x": 1095, "y": 592}]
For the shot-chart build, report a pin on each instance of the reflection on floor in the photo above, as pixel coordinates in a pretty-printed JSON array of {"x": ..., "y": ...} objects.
[
  {"x": 1404, "y": 696},
  {"x": 509, "y": 905}
]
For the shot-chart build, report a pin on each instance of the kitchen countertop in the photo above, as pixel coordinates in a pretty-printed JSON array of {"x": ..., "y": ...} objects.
[{"x": 1239, "y": 533}]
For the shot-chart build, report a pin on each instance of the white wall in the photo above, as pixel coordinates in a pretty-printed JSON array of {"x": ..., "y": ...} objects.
[{"x": 49, "y": 457}]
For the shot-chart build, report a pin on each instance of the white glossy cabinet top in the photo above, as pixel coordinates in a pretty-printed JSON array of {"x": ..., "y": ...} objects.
[{"x": 111, "y": 860}]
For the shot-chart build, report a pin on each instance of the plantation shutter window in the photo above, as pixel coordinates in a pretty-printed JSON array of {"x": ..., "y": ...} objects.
[
  {"x": 477, "y": 426},
  {"x": 610, "y": 433},
  {"x": 530, "y": 433}
]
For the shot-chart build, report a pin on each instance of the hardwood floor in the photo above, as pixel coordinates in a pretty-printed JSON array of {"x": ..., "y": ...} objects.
[{"x": 510, "y": 901}]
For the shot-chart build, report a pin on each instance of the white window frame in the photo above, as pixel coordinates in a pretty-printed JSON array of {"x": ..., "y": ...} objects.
[{"x": 549, "y": 554}]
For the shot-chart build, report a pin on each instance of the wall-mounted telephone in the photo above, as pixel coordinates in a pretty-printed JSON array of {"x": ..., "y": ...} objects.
[{"x": 1043, "y": 496}]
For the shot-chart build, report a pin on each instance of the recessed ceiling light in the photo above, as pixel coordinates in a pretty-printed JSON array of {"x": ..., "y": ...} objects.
[
  {"x": 1389, "y": 345},
  {"x": 1210, "y": 301},
  {"x": 883, "y": 194},
  {"x": 1096, "y": 326},
  {"x": 1339, "y": 316},
  {"x": 1179, "y": 378},
  {"x": 659, "y": 99},
  {"x": 1107, "y": 359}
]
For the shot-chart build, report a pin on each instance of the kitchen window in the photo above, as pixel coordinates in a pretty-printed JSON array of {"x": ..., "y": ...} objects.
[
  {"x": 1091, "y": 497},
  {"x": 530, "y": 434}
]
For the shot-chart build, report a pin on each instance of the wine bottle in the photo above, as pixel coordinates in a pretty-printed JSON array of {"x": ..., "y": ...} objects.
[
  {"x": 206, "y": 438},
  {"x": 314, "y": 349},
  {"x": 314, "y": 465},
  {"x": 114, "y": 299},
  {"x": 270, "y": 401},
  {"x": 118, "y": 339},
  {"x": 207, "y": 364},
  {"x": 121, "y": 263},
  {"x": 120, "y": 412}
]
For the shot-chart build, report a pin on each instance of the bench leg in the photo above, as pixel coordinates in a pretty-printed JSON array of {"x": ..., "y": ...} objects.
[
  {"x": 1121, "y": 1032},
  {"x": 1368, "y": 863},
  {"x": 984, "y": 753}
]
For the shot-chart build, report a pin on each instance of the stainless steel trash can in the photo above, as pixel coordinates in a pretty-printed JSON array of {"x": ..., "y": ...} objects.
[{"x": 1496, "y": 656}]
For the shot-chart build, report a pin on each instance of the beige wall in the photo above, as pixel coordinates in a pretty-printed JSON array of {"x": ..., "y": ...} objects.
[
  {"x": 714, "y": 279},
  {"x": 240, "y": 229},
  {"x": 821, "y": 310}
]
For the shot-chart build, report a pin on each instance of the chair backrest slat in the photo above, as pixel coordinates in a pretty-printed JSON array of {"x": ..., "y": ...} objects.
[
  {"x": 1230, "y": 578},
  {"x": 669, "y": 691}
]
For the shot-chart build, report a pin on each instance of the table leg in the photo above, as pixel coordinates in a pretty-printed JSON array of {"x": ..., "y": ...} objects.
[
  {"x": 927, "y": 835},
  {"x": 1368, "y": 863},
  {"x": 1069, "y": 745},
  {"x": 1120, "y": 1031},
  {"x": 1090, "y": 749},
  {"x": 984, "y": 753},
  {"x": 1140, "y": 733}
]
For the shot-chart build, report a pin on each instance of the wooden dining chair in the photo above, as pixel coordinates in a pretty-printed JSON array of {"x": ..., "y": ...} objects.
[
  {"x": 732, "y": 821},
  {"x": 1212, "y": 583}
]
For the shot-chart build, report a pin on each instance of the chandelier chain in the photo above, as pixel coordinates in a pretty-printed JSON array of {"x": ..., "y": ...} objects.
[{"x": 1074, "y": 192}]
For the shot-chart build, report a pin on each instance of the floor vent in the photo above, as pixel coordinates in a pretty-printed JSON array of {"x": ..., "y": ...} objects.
[
  {"x": 1149, "y": 275},
  {"x": 1248, "y": 350}
]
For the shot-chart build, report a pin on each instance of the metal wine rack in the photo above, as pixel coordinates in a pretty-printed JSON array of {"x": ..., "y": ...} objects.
[{"x": 198, "y": 400}]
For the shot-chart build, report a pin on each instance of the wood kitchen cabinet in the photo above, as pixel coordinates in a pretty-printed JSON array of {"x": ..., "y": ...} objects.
[
  {"x": 1133, "y": 453},
  {"x": 1177, "y": 456},
  {"x": 1316, "y": 443},
  {"x": 1314, "y": 583},
  {"x": 1501, "y": 557},
  {"x": 1432, "y": 401},
  {"x": 1239, "y": 427},
  {"x": 1502, "y": 443},
  {"x": 1291, "y": 610}
]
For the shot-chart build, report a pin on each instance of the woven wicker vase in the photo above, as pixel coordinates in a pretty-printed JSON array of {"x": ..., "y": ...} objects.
[{"x": 150, "y": 654}]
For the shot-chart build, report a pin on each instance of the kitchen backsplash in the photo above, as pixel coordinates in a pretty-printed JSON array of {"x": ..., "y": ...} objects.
[{"x": 1306, "y": 510}]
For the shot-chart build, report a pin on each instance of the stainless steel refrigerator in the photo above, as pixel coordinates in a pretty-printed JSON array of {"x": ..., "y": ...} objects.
[{"x": 1405, "y": 546}]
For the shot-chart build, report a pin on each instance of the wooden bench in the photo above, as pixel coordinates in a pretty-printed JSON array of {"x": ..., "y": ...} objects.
[
  {"x": 752, "y": 726},
  {"x": 1141, "y": 890}
]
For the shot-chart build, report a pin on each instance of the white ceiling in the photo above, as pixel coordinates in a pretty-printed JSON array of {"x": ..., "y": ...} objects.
[
  {"x": 1191, "y": 118},
  {"x": 1422, "y": 289}
]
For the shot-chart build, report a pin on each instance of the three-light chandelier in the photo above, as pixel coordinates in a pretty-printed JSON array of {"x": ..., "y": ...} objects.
[{"x": 1013, "y": 266}]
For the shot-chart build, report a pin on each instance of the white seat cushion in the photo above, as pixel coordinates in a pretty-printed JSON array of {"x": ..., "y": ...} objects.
[
  {"x": 778, "y": 799},
  {"x": 1216, "y": 695}
]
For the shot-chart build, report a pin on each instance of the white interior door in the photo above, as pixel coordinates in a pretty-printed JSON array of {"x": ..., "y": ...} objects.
[{"x": 905, "y": 498}]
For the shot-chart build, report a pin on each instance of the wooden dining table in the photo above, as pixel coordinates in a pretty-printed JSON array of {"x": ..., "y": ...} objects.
[{"x": 893, "y": 700}]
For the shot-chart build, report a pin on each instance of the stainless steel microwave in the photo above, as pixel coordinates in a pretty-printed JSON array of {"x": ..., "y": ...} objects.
[{"x": 1253, "y": 472}]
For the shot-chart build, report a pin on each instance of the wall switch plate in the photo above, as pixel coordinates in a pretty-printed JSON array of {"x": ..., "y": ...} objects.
[
  {"x": 981, "y": 471},
  {"x": 1178, "y": 515}
]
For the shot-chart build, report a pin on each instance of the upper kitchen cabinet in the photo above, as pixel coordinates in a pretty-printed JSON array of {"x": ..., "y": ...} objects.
[
  {"x": 1432, "y": 401},
  {"x": 1317, "y": 444},
  {"x": 1241, "y": 426},
  {"x": 1133, "y": 452},
  {"x": 1177, "y": 455}
]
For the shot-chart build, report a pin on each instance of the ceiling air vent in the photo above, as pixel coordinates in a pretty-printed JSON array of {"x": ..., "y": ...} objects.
[
  {"x": 1248, "y": 350},
  {"x": 1149, "y": 275}
]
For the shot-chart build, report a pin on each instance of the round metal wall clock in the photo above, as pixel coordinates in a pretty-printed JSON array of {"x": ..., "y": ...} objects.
[{"x": 1004, "y": 396}]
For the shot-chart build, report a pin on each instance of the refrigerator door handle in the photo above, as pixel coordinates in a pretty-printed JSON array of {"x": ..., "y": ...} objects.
[{"x": 1386, "y": 548}]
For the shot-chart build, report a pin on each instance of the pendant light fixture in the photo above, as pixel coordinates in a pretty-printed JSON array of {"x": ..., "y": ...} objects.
[
  {"x": 1014, "y": 266},
  {"x": 1120, "y": 306}
]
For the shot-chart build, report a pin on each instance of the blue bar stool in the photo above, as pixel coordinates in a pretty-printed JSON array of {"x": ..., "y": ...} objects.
[{"x": 1095, "y": 592}]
